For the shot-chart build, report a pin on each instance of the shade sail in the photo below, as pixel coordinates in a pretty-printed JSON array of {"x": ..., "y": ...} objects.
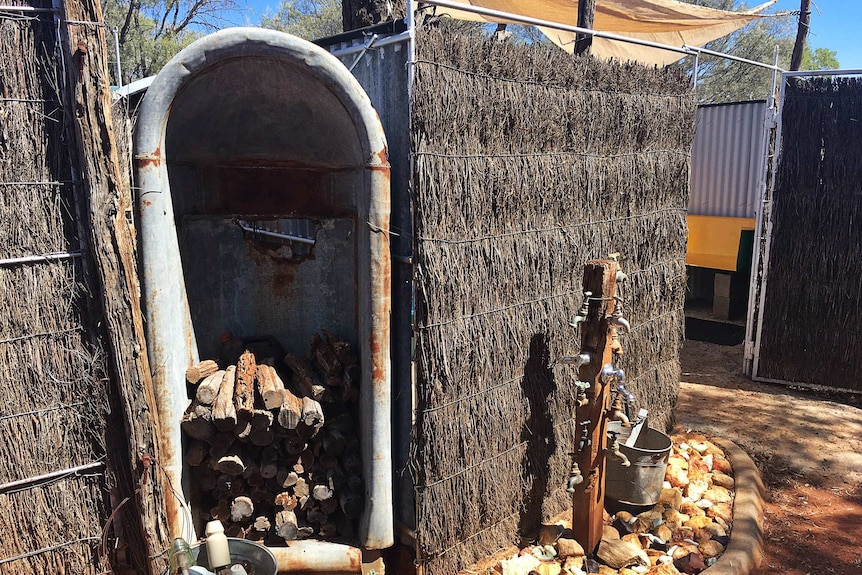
[{"x": 663, "y": 21}]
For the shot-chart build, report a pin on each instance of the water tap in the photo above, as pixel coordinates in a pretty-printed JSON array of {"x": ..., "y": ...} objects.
[
  {"x": 575, "y": 476},
  {"x": 581, "y": 399},
  {"x": 614, "y": 449},
  {"x": 577, "y": 361},
  {"x": 617, "y": 315},
  {"x": 585, "y": 440},
  {"x": 582, "y": 313},
  {"x": 618, "y": 412}
]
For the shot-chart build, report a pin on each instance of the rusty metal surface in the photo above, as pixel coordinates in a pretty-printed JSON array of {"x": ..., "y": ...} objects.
[
  {"x": 383, "y": 72},
  {"x": 316, "y": 556},
  {"x": 256, "y": 175}
]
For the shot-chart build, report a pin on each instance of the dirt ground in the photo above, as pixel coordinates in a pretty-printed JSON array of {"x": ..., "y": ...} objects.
[{"x": 808, "y": 447}]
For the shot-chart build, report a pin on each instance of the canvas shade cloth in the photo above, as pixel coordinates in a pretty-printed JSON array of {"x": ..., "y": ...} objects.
[{"x": 662, "y": 21}]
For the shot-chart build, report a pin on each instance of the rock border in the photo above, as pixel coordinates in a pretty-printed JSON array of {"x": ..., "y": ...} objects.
[{"x": 744, "y": 551}]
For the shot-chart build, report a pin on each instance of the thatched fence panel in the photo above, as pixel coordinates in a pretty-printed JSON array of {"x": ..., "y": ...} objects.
[
  {"x": 54, "y": 488},
  {"x": 528, "y": 163},
  {"x": 813, "y": 303}
]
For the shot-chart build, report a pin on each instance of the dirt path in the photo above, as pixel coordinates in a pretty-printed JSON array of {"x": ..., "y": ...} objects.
[{"x": 807, "y": 446}]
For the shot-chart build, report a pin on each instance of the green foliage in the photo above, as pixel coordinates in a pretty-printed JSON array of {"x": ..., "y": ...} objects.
[
  {"x": 722, "y": 80},
  {"x": 819, "y": 59},
  {"x": 309, "y": 19},
  {"x": 152, "y": 31}
]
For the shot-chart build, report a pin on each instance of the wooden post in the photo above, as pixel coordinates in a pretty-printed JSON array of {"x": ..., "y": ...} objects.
[
  {"x": 588, "y": 498},
  {"x": 110, "y": 242},
  {"x": 586, "y": 16},
  {"x": 801, "y": 33}
]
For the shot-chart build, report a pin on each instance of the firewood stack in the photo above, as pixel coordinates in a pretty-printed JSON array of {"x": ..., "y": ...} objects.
[{"x": 277, "y": 462}]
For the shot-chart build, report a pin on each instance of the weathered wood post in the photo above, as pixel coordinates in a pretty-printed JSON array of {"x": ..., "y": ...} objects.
[
  {"x": 110, "y": 242},
  {"x": 586, "y": 17},
  {"x": 600, "y": 278}
]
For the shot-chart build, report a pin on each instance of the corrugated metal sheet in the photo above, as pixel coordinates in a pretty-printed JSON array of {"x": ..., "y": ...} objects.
[
  {"x": 382, "y": 72},
  {"x": 726, "y": 160}
]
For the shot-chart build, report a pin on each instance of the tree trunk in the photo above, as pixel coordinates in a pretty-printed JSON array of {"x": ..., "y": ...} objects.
[
  {"x": 361, "y": 13},
  {"x": 586, "y": 16},
  {"x": 801, "y": 34},
  {"x": 111, "y": 243}
]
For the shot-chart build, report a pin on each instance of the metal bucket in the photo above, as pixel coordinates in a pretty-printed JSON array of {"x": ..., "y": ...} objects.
[
  {"x": 638, "y": 487},
  {"x": 257, "y": 559}
]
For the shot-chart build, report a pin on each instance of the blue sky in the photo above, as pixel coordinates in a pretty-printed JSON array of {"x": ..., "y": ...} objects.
[{"x": 835, "y": 24}]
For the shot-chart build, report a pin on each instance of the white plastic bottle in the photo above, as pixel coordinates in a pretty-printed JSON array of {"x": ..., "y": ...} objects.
[{"x": 218, "y": 553}]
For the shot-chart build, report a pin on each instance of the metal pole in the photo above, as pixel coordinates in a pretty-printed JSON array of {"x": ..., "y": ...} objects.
[
  {"x": 768, "y": 126},
  {"x": 498, "y": 15},
  {"x": 769, "y": 221},
  {"x": 694, "y": 72},
  {"x": 117, "y": 56}
]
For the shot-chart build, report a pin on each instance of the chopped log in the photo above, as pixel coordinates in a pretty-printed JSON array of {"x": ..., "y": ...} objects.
[
  {"x": 339, "y": 419},
  {"x": 290, "y": 412},
  {"x": 201, "y": 370},
  {"x": 270, "y": 385},
  {"x": 221, "y": 511},
  {"x": 261, "y": 419},
  {"x": 236, "y": 530},
  {"x": 235, "y": 488},
  {"x": 351, "y": 504},
  {"x": 255, "y": 479},
  {"x": 196, "y": 452},
  {"x": 197, "y": 422},
  {"x": 328, "y": 529},
  {"x": 333, "y": 442},
  {"x": 321, "y": 492},
  {"x": 305, "y": 376},
  {"x": 287, "y": 478},
  {"x": 304, "y": 462},
  {"x": 261, "y": 437},
  {"x": 220, "y": 444},
  {"x": 206, "y": 478},
  {"x": 350, "y": 395},
  {"x": 243, "y": 393},
  {"x": 329, "y": 506},
  {"x": 328, "y": 461},
  {"x": 241, "y": 509},
  {"x": 345, "y": 527},
  {"x": 286, "y": 525},
  {"x": 312, "y": 413},
  {"x": 224, "y": 412},
  {"x": 352, "y": 374},
  {"x": 336, "y": 479},
  {"x": 269, "y": 463},
  {"x": 242, "y": 429},
  {"x": 286, "y": 500},
  {"x": 316, "y": 516},
  {"x": 208, "y": 388},
  {"x": 351, "y": 461},
  {"x": 300, "y": 489},
  {"x": 305, "y": 530},
  {"x": 261, "y": 523},
  {"x": 295, "y": 445},
  {"x": 231, "y": 465},
  {"x": 325, "y": 356},
  {"x": 341, "y": 347}
]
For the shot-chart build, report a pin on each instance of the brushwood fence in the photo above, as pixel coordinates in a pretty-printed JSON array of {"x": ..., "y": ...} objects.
[
  {"x": 77, "y": 473},
  {"x": 528, "y": 163},
  {"x": 54, "y": 491},
  {"x": 813, "y": 304}
]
